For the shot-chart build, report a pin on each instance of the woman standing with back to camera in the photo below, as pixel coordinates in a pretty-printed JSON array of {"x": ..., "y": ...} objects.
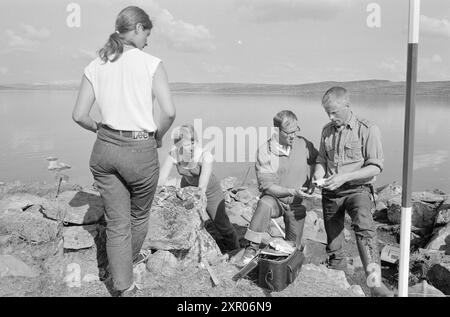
[{"x": 125, "y": 82}]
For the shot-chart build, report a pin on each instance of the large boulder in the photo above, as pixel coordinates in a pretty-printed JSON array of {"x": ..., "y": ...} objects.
[
  {"x": 79, "y": 237},
  {"x": 20, "y": 201},
  {"x": 387, "y": 192},
  {"x": 4, "y": 239},
  {"x": 432, "y": 197},
  {"x": 443, "y": 216},
  {"x": 421, "y": 262},
  {"x": 423, "y": 213},
  {"x": 330, "y": 282},
  {"x": 424, "y": 290},
  {"x": 30, "y": 226},
  {"x": 175, "y": 219},
  {"x": 12, "y": 266},
  {"x": 177, "y": 224},
  {"x": 205, "y": 248},
  {"x": 426, "y": 205},
  {"x": 440, "y": 240},
  {"x": 41, "y": 189},
  {"x": 163, "y": 263},
  {"x": 77, "y": 207},
  {"x": 439, "y": 277}
]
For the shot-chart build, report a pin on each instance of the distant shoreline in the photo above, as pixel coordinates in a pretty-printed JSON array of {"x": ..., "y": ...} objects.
[{"x": 365, "y": 87}]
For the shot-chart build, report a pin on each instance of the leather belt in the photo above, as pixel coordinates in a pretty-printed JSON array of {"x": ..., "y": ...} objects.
[{"x": 135, "y": 135}]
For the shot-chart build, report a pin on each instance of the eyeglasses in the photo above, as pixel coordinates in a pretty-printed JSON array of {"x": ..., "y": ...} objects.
[{"x": 297, "y": 129}]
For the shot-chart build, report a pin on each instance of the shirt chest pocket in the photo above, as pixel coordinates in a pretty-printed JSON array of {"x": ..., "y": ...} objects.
[{"x": 353, "y": 151}]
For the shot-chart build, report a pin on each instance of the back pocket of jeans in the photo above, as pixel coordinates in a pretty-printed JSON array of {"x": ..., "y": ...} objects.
[{"x": 97, "y": 153}]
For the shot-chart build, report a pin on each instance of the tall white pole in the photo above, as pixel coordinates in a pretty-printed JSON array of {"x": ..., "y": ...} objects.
[{"x": 408, "y": 150}]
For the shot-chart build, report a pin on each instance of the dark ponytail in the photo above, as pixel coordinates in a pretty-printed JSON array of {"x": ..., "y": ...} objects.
[{"x": 126, "y": 21}]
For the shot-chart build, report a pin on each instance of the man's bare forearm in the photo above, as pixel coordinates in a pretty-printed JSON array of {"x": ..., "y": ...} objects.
[
  {"x": 365, "y": 172},
  {"x": 279, "y": 191}
]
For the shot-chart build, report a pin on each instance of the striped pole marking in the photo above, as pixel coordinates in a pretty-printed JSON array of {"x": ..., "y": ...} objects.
[{"x": 408, "y": 151}]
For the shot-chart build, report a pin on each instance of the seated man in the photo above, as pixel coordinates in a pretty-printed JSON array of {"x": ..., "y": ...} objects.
[{"x": 284, "y": 165}]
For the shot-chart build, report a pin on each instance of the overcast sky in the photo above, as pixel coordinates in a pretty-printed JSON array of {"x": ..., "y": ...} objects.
[{"x": 255, "y": 41}]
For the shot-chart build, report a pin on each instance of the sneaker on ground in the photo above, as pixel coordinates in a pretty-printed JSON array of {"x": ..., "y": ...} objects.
[
  {"x": 132, "y": 291},
  {"x": 142, "y": 257}
]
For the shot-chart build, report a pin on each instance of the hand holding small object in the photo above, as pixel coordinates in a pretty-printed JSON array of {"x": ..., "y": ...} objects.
[
  {"x": 320, "y": 182},
  {"x": 335, "y": 181},
  {"x": 302, "y": 193}
]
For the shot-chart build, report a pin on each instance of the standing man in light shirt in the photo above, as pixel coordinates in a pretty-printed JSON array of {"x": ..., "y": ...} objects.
[
  {"x": 350, "y": 158},
  {"x": 126, "y": 82}
]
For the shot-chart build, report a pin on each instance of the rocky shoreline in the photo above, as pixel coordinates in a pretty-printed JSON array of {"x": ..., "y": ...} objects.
[{"x": 55, "y": 246}]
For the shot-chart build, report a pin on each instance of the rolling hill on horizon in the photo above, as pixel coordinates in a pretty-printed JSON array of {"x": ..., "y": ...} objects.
[{"x": 369, "y": 87}]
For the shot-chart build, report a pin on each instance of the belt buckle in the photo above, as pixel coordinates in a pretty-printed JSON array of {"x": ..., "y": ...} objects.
[{"x": 140, "y": 135}]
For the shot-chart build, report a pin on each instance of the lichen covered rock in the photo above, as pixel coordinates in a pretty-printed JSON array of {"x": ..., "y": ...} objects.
[
  {"x": 77, "y": 207},
  {"x": 175, "y": 219},
  {"x": 30, "y": 226},
  {"x": 79, "y": 237}
]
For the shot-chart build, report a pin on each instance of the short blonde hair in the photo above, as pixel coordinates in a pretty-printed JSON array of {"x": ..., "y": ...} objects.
[
  {"x": 337, "y": 95},
  {"x": 183, "y": 133},
  {"x": 282, "y": 117}
]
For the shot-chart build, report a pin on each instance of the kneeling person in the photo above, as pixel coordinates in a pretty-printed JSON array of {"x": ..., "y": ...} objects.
[
  {"x": 284, "y": 165},
  {"x": 195, "y": 165}
]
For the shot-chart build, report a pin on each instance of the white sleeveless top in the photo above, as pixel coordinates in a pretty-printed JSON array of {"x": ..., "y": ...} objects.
[{"x": 123, "y": 90}]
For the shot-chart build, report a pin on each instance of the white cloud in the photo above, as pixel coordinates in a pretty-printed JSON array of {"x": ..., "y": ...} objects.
[
  {"x": 395, "y": 69},
  {"x": 27, "y": 37},
  {"x": 17, "y": 41},
  {"x": 434, "y": 27},
  {"x": 3, "y": 70},
  {"x": 266, "y": 11},
  {"x": 183, "y": 36},
  {"x": 175, "y": 33},
  {"x": 429, "y": 69},
  {"x": 436, "y": 58},
  {"x": 85, "y": 54},
  {"x": 33, "y": 32}
]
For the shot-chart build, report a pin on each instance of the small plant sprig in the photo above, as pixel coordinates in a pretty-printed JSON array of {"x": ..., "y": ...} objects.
[{"x": 56, "y": 168}]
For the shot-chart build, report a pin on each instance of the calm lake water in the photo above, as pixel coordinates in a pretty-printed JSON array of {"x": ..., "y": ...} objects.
[{"x": 38, "y": 124}]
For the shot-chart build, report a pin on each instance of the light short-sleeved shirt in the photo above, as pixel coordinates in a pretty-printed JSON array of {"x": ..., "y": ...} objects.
[
  {"x": 191, "y": 171},
  {"x": 287, "y": 167},
  {"x": 355, "y": 145},
  {"x": 123, "y": 90}
]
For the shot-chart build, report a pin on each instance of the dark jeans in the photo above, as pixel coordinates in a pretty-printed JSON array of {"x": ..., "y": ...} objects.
[
  {"x": 126, "y": 172},
  {"x": 215, "y": 207},
  {"x": 356, "y": 201},
  {"x": 268, "y": 207}
]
